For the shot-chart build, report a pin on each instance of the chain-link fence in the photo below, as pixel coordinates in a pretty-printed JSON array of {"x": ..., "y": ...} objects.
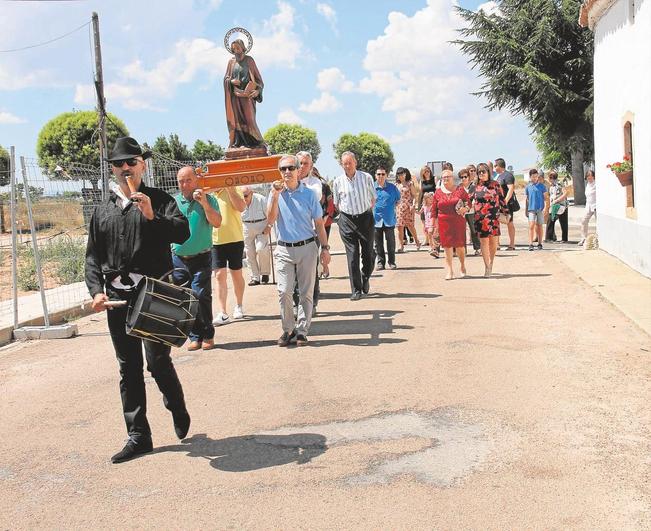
[
  {"x": 48, "y": 236},
  {"x": 47, "y": 239}
]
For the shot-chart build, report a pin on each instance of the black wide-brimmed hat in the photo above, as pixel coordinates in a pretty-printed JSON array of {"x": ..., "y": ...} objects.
[{"x": 126, "y": 148}]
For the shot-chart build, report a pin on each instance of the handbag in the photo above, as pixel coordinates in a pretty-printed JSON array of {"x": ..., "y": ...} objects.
[{"x": 514, "y": 205}]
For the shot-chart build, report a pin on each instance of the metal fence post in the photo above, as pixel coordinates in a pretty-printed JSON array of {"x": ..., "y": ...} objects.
[
  {"x": 32, "y": 228},
  {"x": 14, "y": 228}
]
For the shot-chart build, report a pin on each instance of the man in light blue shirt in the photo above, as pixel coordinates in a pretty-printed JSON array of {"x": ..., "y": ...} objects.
[
  {"x": 296, "y": 213},
  {"x": 384, "y": 213}
]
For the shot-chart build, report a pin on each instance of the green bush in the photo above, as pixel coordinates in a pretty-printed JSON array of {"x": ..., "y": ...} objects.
[
  {"x": 63, "y": 258},
  {"x": 26, "y": 275}
]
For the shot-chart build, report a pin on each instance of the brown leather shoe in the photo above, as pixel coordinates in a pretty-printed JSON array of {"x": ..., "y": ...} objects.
[
  {"x": 208, "y": 344},
  {"x": 194, "y": 345}
]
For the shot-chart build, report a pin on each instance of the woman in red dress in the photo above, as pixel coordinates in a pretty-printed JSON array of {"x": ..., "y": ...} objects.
[
  {"x": 449, "y": 207},
  {"x": 489, "y": 204}
]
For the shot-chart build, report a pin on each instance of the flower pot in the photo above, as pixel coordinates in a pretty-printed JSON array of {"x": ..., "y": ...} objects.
[{"x": 625, "y": 178}]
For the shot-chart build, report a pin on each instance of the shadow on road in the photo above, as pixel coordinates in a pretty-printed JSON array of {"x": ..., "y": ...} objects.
[
  {"x": 370, "y": 331},
  {"x": 498, "y": 276},
  {"x": 372, "y": 295},
  {"x": 251, "y": 452}
]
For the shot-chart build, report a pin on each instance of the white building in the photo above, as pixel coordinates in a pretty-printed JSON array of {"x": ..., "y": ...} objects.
[{"x": 622, "y": 125}]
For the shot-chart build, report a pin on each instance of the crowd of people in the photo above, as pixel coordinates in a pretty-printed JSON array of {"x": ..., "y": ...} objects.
[{"x": 141, "y": 231}]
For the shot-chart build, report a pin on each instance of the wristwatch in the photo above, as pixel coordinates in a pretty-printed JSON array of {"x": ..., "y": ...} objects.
[{"x": 325, "y": 248}]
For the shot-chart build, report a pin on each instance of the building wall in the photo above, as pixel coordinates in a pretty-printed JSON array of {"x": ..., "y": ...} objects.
[{"x": 622, "y": 84}]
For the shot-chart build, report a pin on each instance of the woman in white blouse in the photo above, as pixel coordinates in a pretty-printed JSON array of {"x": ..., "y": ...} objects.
[{"x": 590, "y": 204}]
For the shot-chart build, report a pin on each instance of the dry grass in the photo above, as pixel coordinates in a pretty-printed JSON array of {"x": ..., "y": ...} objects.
[{"x": 49, "y": 213}]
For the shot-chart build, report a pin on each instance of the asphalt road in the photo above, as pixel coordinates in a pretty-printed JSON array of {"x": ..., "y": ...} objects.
[{"x": 520, "y": 401}]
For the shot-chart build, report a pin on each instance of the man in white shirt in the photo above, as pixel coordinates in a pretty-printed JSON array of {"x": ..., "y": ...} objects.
[
  {"x": 256, "y": 236},
  {"x": 313, "y": 183},
  {"x": 354, "y": 195}
]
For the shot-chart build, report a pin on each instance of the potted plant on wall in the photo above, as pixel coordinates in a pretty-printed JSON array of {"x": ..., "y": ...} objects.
[{"x": 623, "y": 171}]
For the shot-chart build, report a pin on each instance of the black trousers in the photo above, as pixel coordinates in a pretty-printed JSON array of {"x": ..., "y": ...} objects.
[
  {"x": 388, "y": 233},
  {"x": 470, "y": 219},
  {"x": 128, "y": 350},
  {"x": 358, "y": 235},
  {"x": 550, "y": 233}
]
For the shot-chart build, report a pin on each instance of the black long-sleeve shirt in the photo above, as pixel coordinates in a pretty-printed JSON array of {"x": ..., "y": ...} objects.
[{"x": 124, "y": 241}]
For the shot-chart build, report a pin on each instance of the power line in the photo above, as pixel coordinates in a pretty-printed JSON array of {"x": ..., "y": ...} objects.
[{"x": 46, "y": 42}]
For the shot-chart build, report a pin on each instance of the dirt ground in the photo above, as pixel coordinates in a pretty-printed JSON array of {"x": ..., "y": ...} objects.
[{"x": 516, "y": 402}]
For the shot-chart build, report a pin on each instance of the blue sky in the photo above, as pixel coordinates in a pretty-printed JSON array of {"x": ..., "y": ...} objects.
[{"x": 335, "y": 66}]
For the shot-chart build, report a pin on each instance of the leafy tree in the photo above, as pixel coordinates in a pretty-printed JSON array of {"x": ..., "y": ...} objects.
[
  {"x": 72, "y": 137},
  {"x": 4, "y": 167},
  {"x": 370, "y": 150},
  {"x": 172, "y": 148},
  {"x": 207, "y": 151},
  {"x": 537, "y": 61},
  {"x": 292, "y": 138}
]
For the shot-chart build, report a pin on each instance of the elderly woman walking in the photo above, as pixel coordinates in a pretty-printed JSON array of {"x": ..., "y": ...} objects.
[
  {"x": 489, "y": 204},
  {"x": 449, "y": 206}
]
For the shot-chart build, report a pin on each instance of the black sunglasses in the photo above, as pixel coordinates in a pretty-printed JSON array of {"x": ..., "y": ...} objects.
[
  {"x": 464, "y": 176},
  {"x": 380, "y": 173},
  {"x": 287, "y": 168},
  {"x": 130, "y": 162},
  {"x": 482, "y": 171}
]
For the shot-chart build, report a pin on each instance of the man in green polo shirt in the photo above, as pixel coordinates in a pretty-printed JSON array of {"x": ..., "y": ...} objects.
[{"x": 193, "y": 255}]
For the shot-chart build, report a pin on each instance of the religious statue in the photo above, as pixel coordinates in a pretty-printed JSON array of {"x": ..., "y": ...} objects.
[{"x": 242, "y": 89}]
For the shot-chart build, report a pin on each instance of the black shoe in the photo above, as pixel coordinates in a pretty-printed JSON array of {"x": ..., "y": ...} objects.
[
  {"x": 356, "y": 296},
  {"x": 181, "y": 423},
  {"x": 379, "y": 267},
  {"x": 301, "y": 340},
  {"x": 365, "y": 285},
  {"x": 286, "y": 338},
  {"x": 531, "y": 247},
  {"x": 254, "y": 282},
  {"x": 539, "y": 246},
  {"x": 133, "y": 449},
  {"x": 264, "y": 279}
]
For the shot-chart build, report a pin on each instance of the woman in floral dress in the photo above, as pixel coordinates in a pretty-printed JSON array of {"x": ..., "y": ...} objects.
[
  {"x": 489, "y": 204},
  {"x": 405, "y": 209}
]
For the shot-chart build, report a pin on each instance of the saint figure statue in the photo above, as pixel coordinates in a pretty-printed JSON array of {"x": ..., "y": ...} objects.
[{"x": 242, "y": 88}]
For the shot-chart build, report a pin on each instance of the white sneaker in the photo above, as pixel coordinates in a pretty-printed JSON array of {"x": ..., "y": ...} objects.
[
  {"x": 221, "y": 319},
  {"x": 238, "y": 312}
]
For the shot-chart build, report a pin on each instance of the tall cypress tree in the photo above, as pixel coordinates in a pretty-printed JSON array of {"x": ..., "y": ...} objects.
[{"x": 537, "y": 61}]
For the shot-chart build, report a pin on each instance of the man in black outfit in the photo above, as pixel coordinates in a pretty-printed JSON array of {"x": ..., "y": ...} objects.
[
  {"x": 129, "y": 236},
  {"x": 354, "y": 195}
]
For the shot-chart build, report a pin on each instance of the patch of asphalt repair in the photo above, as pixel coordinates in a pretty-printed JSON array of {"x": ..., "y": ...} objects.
[{"x": 456, "y": 448}]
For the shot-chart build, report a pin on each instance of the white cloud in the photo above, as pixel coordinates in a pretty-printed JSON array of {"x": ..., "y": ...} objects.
[
  {"x": 333, "y": 80},
  {"x": 323, "y": 104},
  {"x": 490, "y": 8},
  {"x": 276, "y": 43},
  {"x": 328, "y": 12},
  {"x": 288, "y": 116},
  {"x": 422, "y": 78},
  {"x": 8, "y": 118},
  {"x": 140, "y": 88}
]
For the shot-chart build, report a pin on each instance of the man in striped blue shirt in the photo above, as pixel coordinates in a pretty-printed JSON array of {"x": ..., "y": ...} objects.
[{"x": 354, "y": 195}]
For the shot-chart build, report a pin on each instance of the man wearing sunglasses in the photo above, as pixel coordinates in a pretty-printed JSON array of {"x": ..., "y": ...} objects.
[
  {"x": 296, "y": 211},
  {"x": 129, "y": 236}
]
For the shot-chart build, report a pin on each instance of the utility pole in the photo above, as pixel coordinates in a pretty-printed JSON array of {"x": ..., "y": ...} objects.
[{"x": 101, "y": 107}]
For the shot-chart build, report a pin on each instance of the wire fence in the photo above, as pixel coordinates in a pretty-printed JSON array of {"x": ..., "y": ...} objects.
[{"x": 48, "y": 236}]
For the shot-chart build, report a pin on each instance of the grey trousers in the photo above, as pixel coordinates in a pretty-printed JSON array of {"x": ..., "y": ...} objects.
[
  {"x": 296, "y": 264},
  {"x": 257, "y": 248}
]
